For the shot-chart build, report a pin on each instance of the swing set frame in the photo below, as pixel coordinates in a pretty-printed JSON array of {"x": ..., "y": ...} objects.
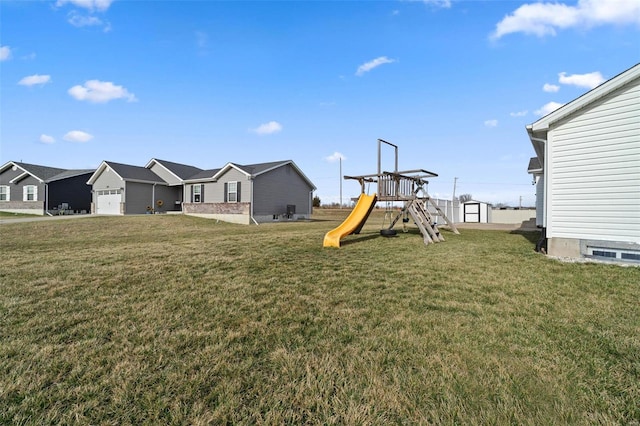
[{"x": 407, "y": 186}]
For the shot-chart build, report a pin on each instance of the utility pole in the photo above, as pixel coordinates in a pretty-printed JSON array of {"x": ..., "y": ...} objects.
[
  {"x": 453, "y": 201},
  {"x": 341, "y": 181},
  {"x": 520, "y": 202}
]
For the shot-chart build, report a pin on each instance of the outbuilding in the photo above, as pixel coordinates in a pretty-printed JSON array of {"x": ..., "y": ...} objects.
[{"x": 473, "y": 211}]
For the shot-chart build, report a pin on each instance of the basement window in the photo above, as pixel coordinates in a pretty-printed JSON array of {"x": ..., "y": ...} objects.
[
  {"x": 630, "y": 256},
  {"x": 612, "y": 253}
]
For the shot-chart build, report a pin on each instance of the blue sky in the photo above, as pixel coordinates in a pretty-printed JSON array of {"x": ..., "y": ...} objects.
[{"x": 452, "y": 83}]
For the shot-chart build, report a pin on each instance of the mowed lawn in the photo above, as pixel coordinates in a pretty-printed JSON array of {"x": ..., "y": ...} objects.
[{"x": 164, "y": 319}]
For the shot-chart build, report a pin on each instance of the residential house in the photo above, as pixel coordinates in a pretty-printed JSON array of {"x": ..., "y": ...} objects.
[
  {"x": 125, "y": 189},
  {"x": 252, "y": 193},
  {"x": 40, "y": 190},
  {"x": 588, "y": 172}
]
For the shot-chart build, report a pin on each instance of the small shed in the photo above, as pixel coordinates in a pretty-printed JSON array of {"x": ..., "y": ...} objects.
[{"x": 474, "y": 211}]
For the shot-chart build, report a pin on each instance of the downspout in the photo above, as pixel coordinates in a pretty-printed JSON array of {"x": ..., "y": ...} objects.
[
  {"x": 153, "y": 198},
  {"x": 541, "y": 245},
  {"x": 46, "y": 200},
  {"x": 251, "y": 203}
]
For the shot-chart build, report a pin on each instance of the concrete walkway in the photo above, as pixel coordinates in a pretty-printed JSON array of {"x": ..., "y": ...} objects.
[{"x": 34, "y": 218}]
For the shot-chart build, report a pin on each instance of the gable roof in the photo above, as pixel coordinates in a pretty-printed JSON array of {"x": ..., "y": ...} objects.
[
  {"x": 591, "y": 96},
  {"x": 250, "y": 170},
  {"x": 45, "y": 174},
  {"x": 127, "y": 172},
  {"x": 180, "y": 171},
  {"x": 537, "y": 131}
]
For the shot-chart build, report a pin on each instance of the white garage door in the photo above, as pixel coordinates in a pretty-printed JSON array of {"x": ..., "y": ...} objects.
[{"x": 108, "y": 202}]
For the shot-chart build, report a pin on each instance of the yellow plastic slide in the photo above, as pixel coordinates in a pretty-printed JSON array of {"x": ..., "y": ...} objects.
[{"x": 353, "y": 222}]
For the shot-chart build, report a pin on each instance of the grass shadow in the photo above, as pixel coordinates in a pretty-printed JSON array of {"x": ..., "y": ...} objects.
[
  {"x": 359, "y": 239},
  {"x": 532, "y": 236}
]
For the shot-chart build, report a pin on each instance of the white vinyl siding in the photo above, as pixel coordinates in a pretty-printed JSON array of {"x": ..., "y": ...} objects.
[
  {"x": 5, "y": 193},
  {"x": 594, "y": 170},
  {"x": 30, "y": 193}
]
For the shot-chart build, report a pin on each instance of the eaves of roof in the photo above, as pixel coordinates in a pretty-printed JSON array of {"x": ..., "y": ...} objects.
[
  {"x": 42, "y": 173},
  {"x": 254, "y": 170},
  {"x": 591, "y": 96},
  {"x": 180, "y": 171}
]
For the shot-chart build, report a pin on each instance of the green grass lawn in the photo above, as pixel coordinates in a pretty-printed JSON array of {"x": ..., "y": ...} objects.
[{"x": 168, "y": 319}]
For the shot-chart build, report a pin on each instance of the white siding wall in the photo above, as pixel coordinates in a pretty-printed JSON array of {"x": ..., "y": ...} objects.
[
  {"x": 106, "y": 180},
  {"x": 594, "y": 170}
]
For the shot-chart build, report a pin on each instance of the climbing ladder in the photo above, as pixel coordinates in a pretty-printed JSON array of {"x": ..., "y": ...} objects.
[
  {"x": 425, "y": 220},
  {"x": 442, "y": 214}
]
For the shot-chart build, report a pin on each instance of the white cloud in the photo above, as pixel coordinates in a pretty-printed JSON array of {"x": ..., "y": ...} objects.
[
  {"x": 99, "y": 5},
  {"x": 78, "y": 20},
  {"x": 548, "y": 108},
  {"x": 336, "y": 156},
  {"x": 100, "y": 92},
  {"x": 77, "y": 136},
  {"x": 543, "y": 19},
  {"x": 519, "y": 113},
  {"x": 589, "y": 80},
  {"x": 550, "y": 88},
  {"x": 491, "y": 123},
  {"x": 438, "y": 3},
  {"x": 5, "y": 53},
  {"x": 47, "y": 139},
  {"x": 35, "y": 79},
  {"x": 366, "y": 67},
  {"x": 268, "y": 128}
]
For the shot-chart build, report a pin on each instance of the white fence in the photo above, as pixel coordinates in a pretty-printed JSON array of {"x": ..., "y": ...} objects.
[{"x": 452, "y": 210}]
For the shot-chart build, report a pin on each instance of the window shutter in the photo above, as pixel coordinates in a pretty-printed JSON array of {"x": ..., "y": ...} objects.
[
  {"x": 192, "y": 193},
  {"x": 202, "y": 192},
  {"x": 35, "y": 193},
  {"x": 225, "y": 192},
  {"x": 24, "y": 193},
  {"x": 238, "y": 192}
]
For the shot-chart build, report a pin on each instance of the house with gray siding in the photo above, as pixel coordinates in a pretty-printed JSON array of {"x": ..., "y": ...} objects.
[
  {"x": 246, "y": 194},
  {"x": 125, "y": 189},
  {"x": 34, "y": 189},
  {"x": 588, "y": 172}
]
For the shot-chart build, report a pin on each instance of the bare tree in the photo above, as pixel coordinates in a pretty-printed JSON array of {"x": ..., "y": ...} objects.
[{"x": 463, "y": 198}]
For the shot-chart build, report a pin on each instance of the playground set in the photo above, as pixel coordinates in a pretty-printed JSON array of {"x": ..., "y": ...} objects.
[{"x": 408, "y": 187}]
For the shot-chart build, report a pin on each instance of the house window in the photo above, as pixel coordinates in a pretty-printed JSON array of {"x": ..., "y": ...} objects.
[
  {"x": 232, "y": 192},
  {"x": 197, "y": 193},
  {"x": 30, "y": 193},
  {"x": 4, "y": 193}
]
